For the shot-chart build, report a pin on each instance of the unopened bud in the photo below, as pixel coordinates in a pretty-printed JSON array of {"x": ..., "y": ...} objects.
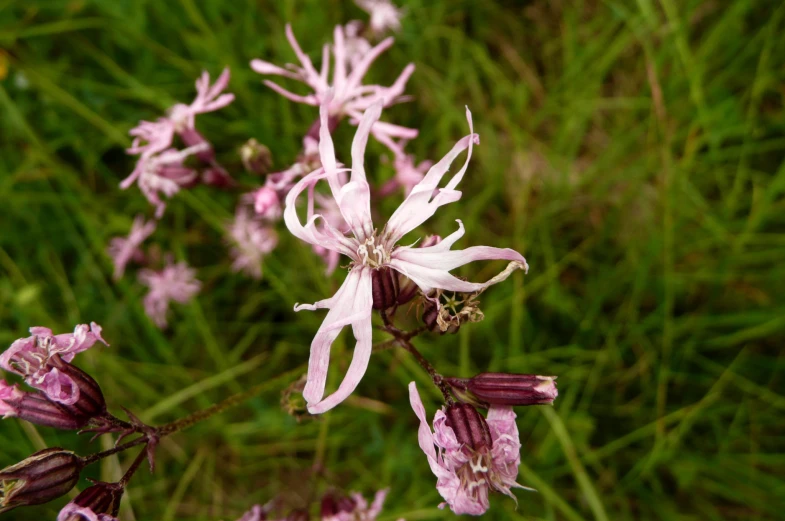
[
  {"x": 40, "y": 410},
  {"x": 256, "y": 157},
  {"x": 40, "y": 478},
  {"x": 509, "y": 389},
  {"x": 333, "y": 506},
  {"x": 101, "y": 498},
  {"x": 266, "y": 203},
  {"x": 469, "y": 426},
  {"x": 91, "y": 401}
]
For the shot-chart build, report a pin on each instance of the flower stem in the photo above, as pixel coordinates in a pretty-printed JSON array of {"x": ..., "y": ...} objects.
[
  {"x": 135, "y": 465},
  {"x": 120, "y": 448}
]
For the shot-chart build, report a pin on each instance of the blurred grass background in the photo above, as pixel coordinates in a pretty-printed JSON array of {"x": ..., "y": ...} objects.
[{"x": 633, "y": 151}]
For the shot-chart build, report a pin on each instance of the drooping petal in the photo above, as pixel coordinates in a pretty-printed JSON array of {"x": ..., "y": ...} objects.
[
  {"x": 450, "y": 259},
  {"x": 421, "y": 203},
  {"x": 430, "y": 278},
  {"x": 351, "y": 305}
]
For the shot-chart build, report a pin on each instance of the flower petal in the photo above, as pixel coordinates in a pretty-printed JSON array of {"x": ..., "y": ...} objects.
[
  {"x": 352, "y": 304},
  {"x": 421, "y": 204}
]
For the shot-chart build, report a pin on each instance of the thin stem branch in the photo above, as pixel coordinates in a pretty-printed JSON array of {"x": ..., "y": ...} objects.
[
  {"x": 120, "y": 448},
  {"x": 132, "y": 469}
]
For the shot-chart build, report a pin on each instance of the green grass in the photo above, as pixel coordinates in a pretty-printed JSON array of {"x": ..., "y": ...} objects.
[{"x": 633, "y": 151}]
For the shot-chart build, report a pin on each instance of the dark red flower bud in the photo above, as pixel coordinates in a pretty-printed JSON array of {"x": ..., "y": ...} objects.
[
  {"x": 510, "y": 389},
  {"x": 384, "y": 288},
  {"x": 91, "y": 401},
  {"x": 469, "y": 426},
  {"x": 101, "y": 498},
  {"x": 40, "y": 410},
  {"x": 40, "y": 478},
  {"x": 333, "y": 505}
]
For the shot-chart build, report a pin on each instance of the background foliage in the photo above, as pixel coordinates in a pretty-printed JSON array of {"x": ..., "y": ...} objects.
[{"x": 632, "y": 150}]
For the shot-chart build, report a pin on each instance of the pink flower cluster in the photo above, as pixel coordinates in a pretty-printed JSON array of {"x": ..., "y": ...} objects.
[
  {"x": 30, "y": 358},
  {"x": 176, "y": 282}
]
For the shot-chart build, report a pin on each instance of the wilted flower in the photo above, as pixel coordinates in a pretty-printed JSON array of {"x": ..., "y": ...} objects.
[
  {"x": 39, "y": 478},
  {"x": 33, "y": 358},
  {"x": 345, "y": 94},
  {"x": 99, "y": 502},
  {"x": 8, "y": 395},
  {"x": 251, "y": 240},
  {"x": 175, "y": 282},
  {"x": 125, "y": 249},
  {"x": 256, "y": 157},
  {"x": 73, "y": 512},
  {"x": 164, "y": 173},
  {"x": 384, "y": 15},
  {"x": 474, "y": 456},
  {"x": 368, "y": 251}
]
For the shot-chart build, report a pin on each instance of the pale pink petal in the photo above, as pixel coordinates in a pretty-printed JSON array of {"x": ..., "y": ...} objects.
[
  {"x": 420, "y": 205},
  {"x": 448, "y": 260},
  {"x": 352, "y": 304},
  {"x": 430, "y": 278},
  {"x": 264, "y": 67}
]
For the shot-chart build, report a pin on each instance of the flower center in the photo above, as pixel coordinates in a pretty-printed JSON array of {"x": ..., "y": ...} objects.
[
  {"x": 372, "y": 254},
  {"x": 476, "y": 475}
]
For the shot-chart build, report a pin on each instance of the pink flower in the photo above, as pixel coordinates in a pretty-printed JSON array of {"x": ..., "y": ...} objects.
[
  {"x": 181, "y": 118},
  {"x": 370, "y": 252},
  {"x": 163, "y": 173},
  {"x": 73, "y": 512},
  {"x": 349, "y": 95},
  {"x": 175, "y": 282},
  {"x": 251, "y": 240},
  {"x": 123, "y": 250},
  {"x": 464, "y": 475},
  {"x": 30, "y": 358},
  {"x": 356, "y": 45},
  {"x": 384, "y": 15},
  {"x": 8, "y": 392}
]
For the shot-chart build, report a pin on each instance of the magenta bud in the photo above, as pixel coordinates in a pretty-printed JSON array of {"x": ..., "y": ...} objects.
[
  {"x": 509, "y": 389},
  {"x": 101, "y": 498},
  {"x": 469, "y": 426},
  {"x": 40, "y": 410},
  {"x": 384, "y": 287},
  {"x": 256, "y": 157},
  {"x": 91, "y": 401},
  {"x": 39, "y": 478}
]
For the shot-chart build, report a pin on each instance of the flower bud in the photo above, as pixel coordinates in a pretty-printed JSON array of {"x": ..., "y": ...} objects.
[
  {"x": 266, "y": 203},
  {"x": 256, "y": 157},
  {"x": 91, "y": 401},
  {"x": 509, "y": 389},
  {"x": 40, "y": 410},
  {"x": 101, "y": 498},
  {"x": 40, "y": 478},
  {"x": 334, "y": 505},
  {"x": 384, "y": 287},
  {"x": 469, "y": 426}
]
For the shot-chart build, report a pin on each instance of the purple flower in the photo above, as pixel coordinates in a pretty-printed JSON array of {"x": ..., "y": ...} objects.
[
  {"x": 31, "y": 358},
  {"x": 464, "y": 475},
  {"x": 73, "y": 512},
  {"x": 164, "y": 173},
  {"x": 368, "y": 251},
  {"x": 175, "y": 282},
  {"x": 251, "y": 239},
  {"x": 346, "y": 93},
  {"x": 255, "y": 514},
  {"x": 125, "y": 249},
  {"x": 384, "y": 15}
]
